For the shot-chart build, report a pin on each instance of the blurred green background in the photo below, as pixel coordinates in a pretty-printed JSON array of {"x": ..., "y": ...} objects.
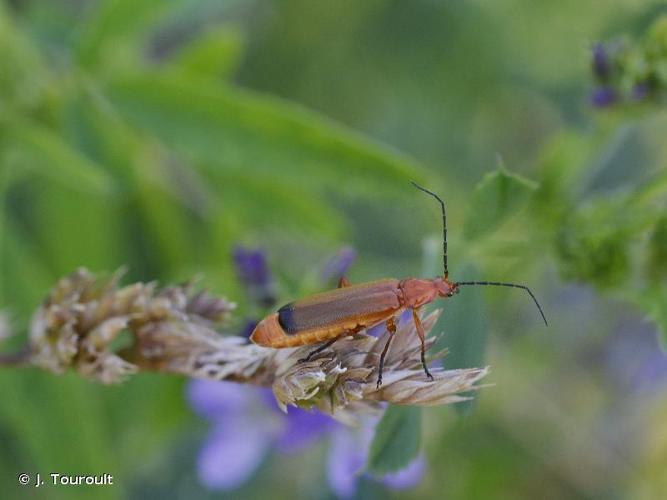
[{"x": 159, "y": 134}]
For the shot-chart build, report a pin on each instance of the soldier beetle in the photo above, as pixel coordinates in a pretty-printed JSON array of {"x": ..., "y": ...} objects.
[{"x": 328, "y": 316}]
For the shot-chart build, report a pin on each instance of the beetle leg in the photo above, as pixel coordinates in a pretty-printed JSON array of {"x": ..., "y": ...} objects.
[
  {"x": 391, "y": 328},
  {"x": 343, "y": 282},
  {"x": 420, "y": 332},
  {"x": 318, "y": 350}
]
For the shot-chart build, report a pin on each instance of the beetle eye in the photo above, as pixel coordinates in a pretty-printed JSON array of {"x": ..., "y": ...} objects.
[{"x": 449, "y": 294}]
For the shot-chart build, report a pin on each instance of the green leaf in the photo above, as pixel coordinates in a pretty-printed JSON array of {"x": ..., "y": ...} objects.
[
  {"x": 69, "y": 191},
  {"x": 465, "y": 329},
  {"x": 560, "y": 164},
  {"x": 654, "y": 303},
  {"x": 214, "y": 54},
  {"x": 499, "y": 195},
  {"x": 194, "y": 212},
  {"x": 657, "y": 251},
  {"x": 75, "y": 228},
  {"x": 24, "y": 276},
  {"x": 594, "y": 241},
  {"x": 35, "y": 147},
  {"x": 73, "y": 408},
  {"x": 396, "y": 441},
  {"x": 464, "y": 325},
  {"x": 654, "y": 300},
  {"x": 277, "y": 203},
  {"x": 112, "y": 35},
  {"x": 24, "y": 80},
  {"x": 660, "y": 318},
  {"x": 234, "y": 129}
]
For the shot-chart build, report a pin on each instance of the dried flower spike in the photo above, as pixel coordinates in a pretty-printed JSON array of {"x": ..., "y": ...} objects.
[
  {"x": 176, "y": 330},
  {"x": 82, "y": 317},
  {"x": 344, "y": 376}
]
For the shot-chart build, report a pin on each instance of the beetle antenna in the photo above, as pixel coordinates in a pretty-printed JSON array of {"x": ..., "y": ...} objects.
[
  {"x": 512, "y": 285},
  {"x": 444, "y": 225}
]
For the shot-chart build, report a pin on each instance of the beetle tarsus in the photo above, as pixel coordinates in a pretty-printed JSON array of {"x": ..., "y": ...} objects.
[
  {"x": 318, "y": 350},
  {"x": 391, "y": 328},
  {"x": 428, "y": 373}
]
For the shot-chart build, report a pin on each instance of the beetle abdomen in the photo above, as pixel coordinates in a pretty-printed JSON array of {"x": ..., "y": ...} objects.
[{"x": 269, "y": 333}]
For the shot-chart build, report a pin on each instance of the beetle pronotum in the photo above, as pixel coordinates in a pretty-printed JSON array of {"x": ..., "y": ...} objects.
[{"x": 328, "y": 316}]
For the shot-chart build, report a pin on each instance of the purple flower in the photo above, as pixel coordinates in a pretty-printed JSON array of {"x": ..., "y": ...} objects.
[
  {"x": 641, "y": 91},
  {"x": 251, "y": 266},
  {"x": 635, "y": 359},
  {"x": 253, "y": 271},
  {"x": 600, "y": 61},
  {"x": 409, "y": 477},
  {"x": 346, "y": 458},
  {"x": 231, "y": 453},
  {"x": 603, "y": 97},
  {"x": 246, "y": 424},
  {"x": 338, "y": 265},
  {"x": 349, "y": 450},
  {"x": 244, "y": 429}
]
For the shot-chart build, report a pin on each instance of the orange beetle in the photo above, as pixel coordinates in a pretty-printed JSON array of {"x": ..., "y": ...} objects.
[{"x": 328, "y": 316}]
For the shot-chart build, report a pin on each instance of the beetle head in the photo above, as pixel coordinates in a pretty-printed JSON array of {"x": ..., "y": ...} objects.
[{"x": 445, "y": 287}]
